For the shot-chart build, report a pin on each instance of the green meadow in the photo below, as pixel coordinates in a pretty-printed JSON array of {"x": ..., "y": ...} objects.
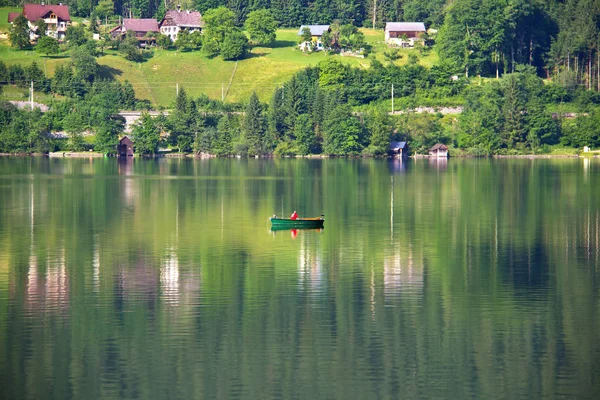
[{"x": 261, "y": 71}]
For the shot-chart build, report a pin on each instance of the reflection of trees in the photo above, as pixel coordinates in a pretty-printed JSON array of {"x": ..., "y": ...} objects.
[{"x": 487, "y": 285}]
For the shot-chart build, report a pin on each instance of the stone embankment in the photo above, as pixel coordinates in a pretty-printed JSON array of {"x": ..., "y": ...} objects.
[{"x": 431, "y": 110}]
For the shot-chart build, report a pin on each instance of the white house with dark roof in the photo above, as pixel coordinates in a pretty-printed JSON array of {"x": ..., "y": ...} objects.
[
  {"x": 404, "y": 34},
  {"x": 178, "y": 20},
  {"x": 316, "y": 32}
]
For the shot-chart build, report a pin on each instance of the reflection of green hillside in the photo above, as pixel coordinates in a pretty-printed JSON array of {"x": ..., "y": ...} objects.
[{"x": 484, "y": 285}]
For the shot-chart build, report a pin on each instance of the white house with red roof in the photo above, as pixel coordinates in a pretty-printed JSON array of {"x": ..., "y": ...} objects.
[
  {"x": 56, "y": 17},
  {"x": 178, "y": 20}
]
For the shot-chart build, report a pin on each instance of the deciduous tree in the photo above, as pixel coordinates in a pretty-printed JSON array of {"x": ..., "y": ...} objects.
[{"x": 261, "y": 26}]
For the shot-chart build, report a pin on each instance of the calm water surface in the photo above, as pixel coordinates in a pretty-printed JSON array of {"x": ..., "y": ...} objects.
[{"x": 161, "y": 279}]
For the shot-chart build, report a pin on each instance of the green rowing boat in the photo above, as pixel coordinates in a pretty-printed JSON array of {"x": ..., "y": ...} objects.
[{"x": 286, "y": 223}]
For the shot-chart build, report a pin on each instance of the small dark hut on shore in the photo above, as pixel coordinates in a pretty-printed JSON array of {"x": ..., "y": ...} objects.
[
  {"x": 399, "y": 149},
  {"x": 125, "y": 147}
]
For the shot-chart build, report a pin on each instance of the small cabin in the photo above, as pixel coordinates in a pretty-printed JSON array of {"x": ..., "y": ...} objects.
[
  {"x": 403, "y": 34},
  {"x": 399, "y": 149},
  {"x": 439, "y": 150},
  {"x": 125, "y": 147}
]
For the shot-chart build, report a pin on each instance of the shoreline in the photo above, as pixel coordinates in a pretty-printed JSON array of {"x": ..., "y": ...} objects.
[{"x": 71, "y": 154}]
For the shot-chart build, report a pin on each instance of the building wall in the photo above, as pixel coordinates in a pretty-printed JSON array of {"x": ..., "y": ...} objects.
[
  {"x": 57, "y": 28},
  {"x": 172, "y": 30}
]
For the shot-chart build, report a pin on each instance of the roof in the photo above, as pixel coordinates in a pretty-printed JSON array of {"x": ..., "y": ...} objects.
[
  {"x": 405, "y": 27},
  {"x": 315, "y": 30},
  {"x": 33, "y": 12},
  {"x": 185, "y": 18},
  {"x": 439, "y": 146},
  {"x": 140, "y": 25},
  {"x": 12, "y": 16},
  {"x": 397, "y": 146}
]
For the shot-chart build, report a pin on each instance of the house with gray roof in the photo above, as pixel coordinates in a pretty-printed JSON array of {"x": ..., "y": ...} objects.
[
  {"x": 316, "y": 32},
  {"x": 404, "y": 34},
  {"x": 178, "y": 20},
  {"x": 399, "y": 149}
]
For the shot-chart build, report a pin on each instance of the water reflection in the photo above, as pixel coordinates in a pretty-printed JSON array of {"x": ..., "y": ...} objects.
[{"x": 160, "y": 279}]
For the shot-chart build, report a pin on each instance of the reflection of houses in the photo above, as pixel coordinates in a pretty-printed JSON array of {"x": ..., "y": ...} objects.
[
  {"x": 316, "y": 33},
  {"x": 403, "y": 34},
  {"x": 55, "y": 16},
  {"x": 439, "y": 163},
  {"x": 169, "y": 279},
  {"x": 439, "y": 150},
  {"x": 310, "y": 267},
  {"x": 177, "y": 20},
  {"x": 48, "y": 292},
  {"x": 399, "y": 149},
  {"x": 142, "y": 29},
  {"x": 400, "y": 273}
]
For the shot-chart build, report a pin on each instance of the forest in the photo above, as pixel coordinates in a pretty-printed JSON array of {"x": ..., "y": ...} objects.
[
  {"x": 514, "y": 65},
  {"x": 478, "y": 37}
]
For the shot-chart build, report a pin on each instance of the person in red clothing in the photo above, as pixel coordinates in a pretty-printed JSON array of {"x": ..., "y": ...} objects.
[{"x": 294, "y": 216}]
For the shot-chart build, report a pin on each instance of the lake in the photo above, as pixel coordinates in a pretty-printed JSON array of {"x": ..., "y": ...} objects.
[{"x": 161, "y": 279}]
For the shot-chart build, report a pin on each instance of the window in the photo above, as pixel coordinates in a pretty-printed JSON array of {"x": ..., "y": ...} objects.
[{"x": 52, "y": 16}]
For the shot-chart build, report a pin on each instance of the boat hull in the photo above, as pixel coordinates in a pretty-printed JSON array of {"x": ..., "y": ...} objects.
[{"x": 286, "y": 223}]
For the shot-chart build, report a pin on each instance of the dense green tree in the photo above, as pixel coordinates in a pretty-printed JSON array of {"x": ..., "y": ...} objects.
[
  {"x": 47, "y": 45},
  {"x": 254, "y": 126},
  {"x": 304, "y": 133},
  {"x": 41, "y": 27},
  {"x": 93, "y": 26},
  {"x": 332, "y": 72},
  {"x": 261, "y": 26},
  {"x": 146, "y": 135},
  {"x": 343, "y": 133},
  {"x": 130, "y": 50},
  {"x": 75, "y": 35},
  {"x": 182, "y": 123},
  {"x": 380, "y": 129},
  {"x": 86, "y": 66},
  {"x": 105, "y": 9},
  {"x": 33, "y": 73},
  {"x": 183, "y": 41},
  {"x": 305, "y": 35},
  {"x": 223, "y": 142},
  {"x": 219, "y": 22},
  {"x": 19, "y": 33},
  {"x": 164, "y": 42},
  {"x": 234, "y": 45},
  {"x": 430, "y": 12}
]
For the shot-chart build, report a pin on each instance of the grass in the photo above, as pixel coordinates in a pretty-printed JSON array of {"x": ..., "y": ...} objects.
[
  {"x": 10, "y": 93},
  {"x": 265, "y": 69},
  {"x": 4, "y": 24}
]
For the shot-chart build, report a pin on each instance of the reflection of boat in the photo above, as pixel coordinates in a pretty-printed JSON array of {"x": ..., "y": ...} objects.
[
  {"x": 302, "y": 223},
  {"x": 287, "y": 228}
]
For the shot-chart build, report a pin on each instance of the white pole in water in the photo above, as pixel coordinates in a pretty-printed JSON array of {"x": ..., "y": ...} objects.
[
  {"x": 392, "y": 98},
  {"x": 177, "y": 88}
]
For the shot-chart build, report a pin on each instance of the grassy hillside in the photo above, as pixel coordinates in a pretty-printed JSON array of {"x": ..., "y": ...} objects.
[
  {"x": 262, "y": 71},
  {"x": 4, "y": 25}
]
